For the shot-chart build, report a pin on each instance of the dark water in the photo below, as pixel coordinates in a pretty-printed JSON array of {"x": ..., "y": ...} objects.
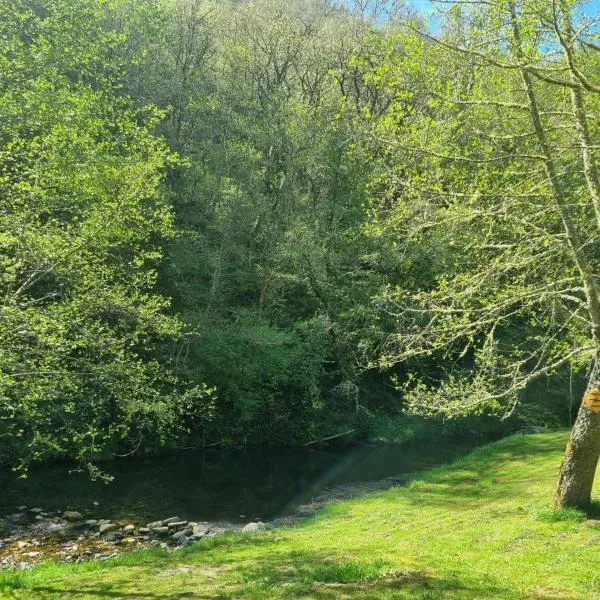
[{"x": 235, "y": 486}]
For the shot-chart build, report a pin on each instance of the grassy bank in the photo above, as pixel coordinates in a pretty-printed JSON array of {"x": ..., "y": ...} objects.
[{"x": 480, "y": 528}]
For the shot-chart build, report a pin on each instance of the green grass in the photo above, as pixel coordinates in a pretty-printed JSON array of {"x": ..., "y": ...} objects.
[{"x": 480, "y": 528}]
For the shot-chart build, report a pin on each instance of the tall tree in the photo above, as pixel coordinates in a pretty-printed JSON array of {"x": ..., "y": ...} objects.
[{"x": 498, "y": 178}]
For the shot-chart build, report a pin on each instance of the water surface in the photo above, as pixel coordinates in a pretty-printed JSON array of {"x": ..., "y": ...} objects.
[{"x": 234, "y": 485}]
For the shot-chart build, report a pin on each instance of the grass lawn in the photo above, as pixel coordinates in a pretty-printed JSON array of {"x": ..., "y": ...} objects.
[{"x": 479, "y": 528}]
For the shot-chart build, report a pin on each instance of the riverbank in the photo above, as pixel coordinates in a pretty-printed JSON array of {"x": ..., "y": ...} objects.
[{"x": 480, "y": 528}]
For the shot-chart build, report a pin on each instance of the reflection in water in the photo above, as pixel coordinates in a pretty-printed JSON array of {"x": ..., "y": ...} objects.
[{"x": 226, "y": 485}]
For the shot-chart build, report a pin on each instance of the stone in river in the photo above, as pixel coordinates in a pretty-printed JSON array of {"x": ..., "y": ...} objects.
[
  {"x": 178, "y": 535},
  {"x": 176, "y": 524},
  {"x": 155, "y": 524},
  {"x": 200, "y": 529},
  {"x": 93, "y": 522},
  {"x": 72, "y": 515},
  {"x": 106, "y": 527},
  {"x": 254, "y": 527},
  {"x": 171, "y": 520},
  {"x": 160, "y": 530},
  {"x": 129, "y": 528},
  {"x": 144, "y": 530},
  {"x": 36, "y": 510}
]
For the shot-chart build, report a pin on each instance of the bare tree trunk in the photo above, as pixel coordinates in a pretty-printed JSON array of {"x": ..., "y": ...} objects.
[{"x": 581, "y": 457}]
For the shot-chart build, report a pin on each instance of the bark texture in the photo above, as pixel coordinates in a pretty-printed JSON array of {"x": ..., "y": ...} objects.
[{"x": 579, "y": 464}]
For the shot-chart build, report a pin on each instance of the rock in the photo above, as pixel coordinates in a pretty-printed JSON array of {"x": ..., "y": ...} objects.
[
  {"x": 154, "y": 524},
  {"x": 107, "y": 527},
  {"x": 72, "y": 515},
  {"x": 144, "y": 530},
  {"x": 92, "y": 522},
  {"x": 16, "y": 519},
  {"x": 129, "y": 540},
  {"x": 21, "y": 507},
  {"x": 21, "y": 544},
  {"x": 184, "y": 540},
  {"x": 160, "y": 530},
  {"x": 129, "y": 528},
  {"x": 36, "y": 511},
  {"x": 155, "y": 543},
  {"x": 171, "y": 520},
  {"x": 31, "y": 554},
  {"x": 176, "y": 524},
  {"x": 200, "y": 529},
  {"x": 112, "y": 536},
  {"x": 258, "y": 526},
  {"x": 198, "y": 536},
  {"x": 96, "y": 503}
]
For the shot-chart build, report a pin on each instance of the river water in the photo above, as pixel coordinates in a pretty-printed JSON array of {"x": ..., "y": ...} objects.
[{"x": 234, "y": 486}]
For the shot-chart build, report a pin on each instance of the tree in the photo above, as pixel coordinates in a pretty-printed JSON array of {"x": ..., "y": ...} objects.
[
  {"x": 497, "y": 184},
  {"x": 82, "y": 219}
]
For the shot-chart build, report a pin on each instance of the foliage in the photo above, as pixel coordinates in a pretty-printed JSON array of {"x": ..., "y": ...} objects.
[{"x": 83, "y": 211}]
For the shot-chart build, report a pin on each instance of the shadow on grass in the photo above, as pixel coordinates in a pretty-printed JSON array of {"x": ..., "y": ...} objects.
[{"x": 296, "y": 574}]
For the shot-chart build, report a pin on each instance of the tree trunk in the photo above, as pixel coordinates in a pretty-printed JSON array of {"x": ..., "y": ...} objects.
[{"x": 581, "y": 457}]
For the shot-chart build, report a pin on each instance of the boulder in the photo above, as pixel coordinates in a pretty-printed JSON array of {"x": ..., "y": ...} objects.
[
  {"x": 170, "y": 520},
  {"x": 176, "y": 524},
  {"x": 72, "y": 515},
  {"x": 144, "y": 530},
  {"x": 107, "y": 527},
  {"x": 129, "y": 528}
]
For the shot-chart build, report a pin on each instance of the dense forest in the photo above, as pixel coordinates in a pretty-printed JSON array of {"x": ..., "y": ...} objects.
[{"x": 258, "y": 221}]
